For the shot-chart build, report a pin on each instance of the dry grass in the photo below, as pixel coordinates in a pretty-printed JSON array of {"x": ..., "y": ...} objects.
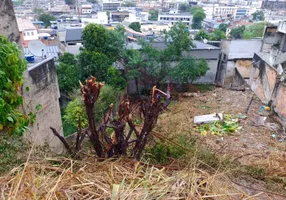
[{"x": 63, "y": 178}]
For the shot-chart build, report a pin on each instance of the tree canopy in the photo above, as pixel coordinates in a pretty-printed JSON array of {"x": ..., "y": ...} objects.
[
  {"x": 237, "y": 33},
  {"x": 95, "y": 58},
  {"x": 198, "y": 16},
  {"x": 202, "y": 35},
  {"x": 46, "y": 18},
  {"x": 217, "y": 35},
  {"x": 184, "y": 7},
  {"x": 223, "y": 27},
  {"x": 153, "y": 15},
  {"x": 255, "y": 30},
  {"x": 12, "y": 67},
  {"x": 258, "y": 15},
  {"x": 136, "y": 26},
  {"x": 151, "y": 66}
]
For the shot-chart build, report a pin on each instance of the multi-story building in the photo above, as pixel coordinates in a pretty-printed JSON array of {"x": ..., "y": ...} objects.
[
  {"x": 85, "y": 9},
  {"x": 240, "y": 13},
  {"x": 274, "y": 4},
  {"x": 110, "y": 5},
  {"x": 173, "y": 18}
]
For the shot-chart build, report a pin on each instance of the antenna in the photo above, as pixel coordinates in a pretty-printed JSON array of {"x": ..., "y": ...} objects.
[{"x": 37, "y": 48}]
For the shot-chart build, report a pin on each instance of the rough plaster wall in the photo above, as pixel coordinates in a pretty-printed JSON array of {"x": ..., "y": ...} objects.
[
  {"x": 211, "y": 73},
  {"x": 279, "y": 103},
  {"x": 42, "y": 81},
  {"x": 8, "y": 23},
  {"x": 257, "y": 88},
  {"x": 230, "y": 72},
  {"x": 244, "y": 67},
  {"x": 271, "y": 78}
]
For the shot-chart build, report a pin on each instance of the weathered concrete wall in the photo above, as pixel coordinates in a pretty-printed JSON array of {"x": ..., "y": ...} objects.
[
  {"x": 279, "y": 103},
  {"x": 41, "y": 78},
  {"x": 210, "y": 76},
  {"x": 264, "y": 85}
]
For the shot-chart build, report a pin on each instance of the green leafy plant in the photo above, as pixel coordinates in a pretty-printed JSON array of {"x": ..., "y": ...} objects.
[
  {"x": 136, "y": 26},
  {"x": 12, "y": 67}
]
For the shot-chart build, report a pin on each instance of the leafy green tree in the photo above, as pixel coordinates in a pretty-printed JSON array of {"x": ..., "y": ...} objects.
[
  {"x": 46, "y": 18},
  {"x": 237, "y": 33},
  {"x": 136, "y": 26},
  {"x": 75, "y": 109},
  {"x": 202, "y": 35},
  {"x": 184, "y": 7},
  {"x": 189, "y": 69},
  {"x": 217, "y": 35},
  {"x": 198, "y": 16},
  {"x": 12, "y": 67},
  {"x": 67, "y": 72},
  {"x": 153, "y": 15},
  {"x": 258, "y": 16},
  {"x": 129, "y": 4},
  {"x": 255, "y": 30},
  {"x": 223, "y": 27},
  {"x": 38, "y": 11},
  {"x": 151, "y": 66}
]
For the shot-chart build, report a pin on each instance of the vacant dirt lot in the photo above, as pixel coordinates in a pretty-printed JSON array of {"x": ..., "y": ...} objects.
[{"x": 253, "y": 144}]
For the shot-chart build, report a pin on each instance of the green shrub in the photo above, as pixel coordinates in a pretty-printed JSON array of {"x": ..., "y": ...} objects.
[{"x": 76, "y": 109}]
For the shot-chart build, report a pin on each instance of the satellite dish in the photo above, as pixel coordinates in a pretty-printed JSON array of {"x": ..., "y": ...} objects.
[{"x": 37, "y": 48}]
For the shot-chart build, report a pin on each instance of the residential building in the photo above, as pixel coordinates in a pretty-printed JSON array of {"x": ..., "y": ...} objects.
[
  {"x": 85, "y": 9},
  {"x": 173, "y": 18},
  {"x": 240, "y": 13},
  {"x": 99, "y": 18},
  {"x": 110, "y": 5},
  {"x": 27, "y": 31},
  {"x": 274, "y": 4}
]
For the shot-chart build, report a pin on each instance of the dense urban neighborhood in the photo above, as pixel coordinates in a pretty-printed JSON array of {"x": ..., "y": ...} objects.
[{"x": 125, "y": 99}]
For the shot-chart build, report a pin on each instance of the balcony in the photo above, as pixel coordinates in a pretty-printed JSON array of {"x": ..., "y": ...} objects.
[{"x": 282, "y": 27}]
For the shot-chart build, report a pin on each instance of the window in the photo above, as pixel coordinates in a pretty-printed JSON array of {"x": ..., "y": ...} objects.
[
  {"x": 28, "y": 33},
  {"x": 32, "y": 33},
  {"x": 24, "y": 33}
]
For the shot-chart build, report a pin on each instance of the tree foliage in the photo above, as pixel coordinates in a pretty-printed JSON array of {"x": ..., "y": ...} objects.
[
  {"x": 258, "y": 15},
  {"x": 223, "y": 27},
  {"x": 68, "y": 75},
  {"x": 95, "y": 58},
  {"x": 217, "y": 35},
  {"x": 153, "y": 15},
  {"x": 189, "y": 69},
  {"x": 129, "y": 4},
  {"x": 150, "y": 65},
  {"x": 136, "y": 26},
  {"x": 202, "y": 35},
  {"x": 46, "y": 18},
  {"x": 255, "y": 30},
  {"x": 237, "y": 33},
  {"x": 11, "y": 79},
  {"x": 184, "y": 7},
  {"x": 198, "y": 16}
]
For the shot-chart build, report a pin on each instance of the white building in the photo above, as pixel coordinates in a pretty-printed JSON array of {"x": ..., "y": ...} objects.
[
  {"x": 86, "y": 9},
  {"x": 173, "y": 18},
  {"x": 99, "y": 18},
  {"x": 27, "y": 31},
  {"x": 111, "y": 5}
]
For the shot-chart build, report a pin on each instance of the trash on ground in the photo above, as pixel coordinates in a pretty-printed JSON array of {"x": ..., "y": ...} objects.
[
  {"x": 259, "y": 121},
  {"x": 208, "y": 118},
  {"x": 191, "y": 94},
  {"x": 241, "y": 116},
  {"x": 228, "y": 125}
]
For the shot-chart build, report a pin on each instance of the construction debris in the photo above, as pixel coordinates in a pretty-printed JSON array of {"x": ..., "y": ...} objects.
[{"x": 208, "y": 118}]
